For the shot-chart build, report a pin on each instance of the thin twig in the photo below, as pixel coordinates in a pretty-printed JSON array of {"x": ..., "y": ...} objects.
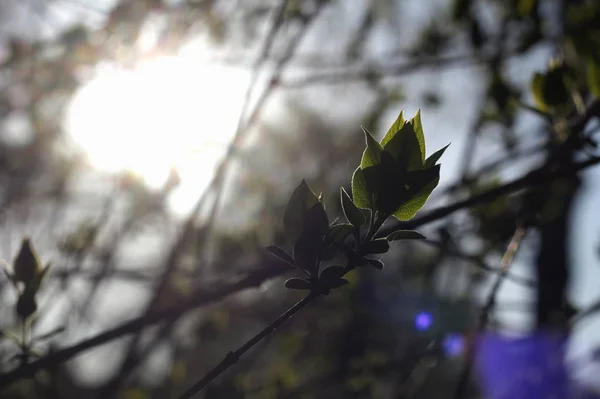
[
  {"x": 233, "y": 357},
  {"x": 348, "y": 75},
  {"x": 271, "y": 269},
  {"x": 505, "y": 263}
]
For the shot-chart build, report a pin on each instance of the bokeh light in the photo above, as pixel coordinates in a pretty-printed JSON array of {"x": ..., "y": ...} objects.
[
  {"x": 423, "y": 321},
  {"x": 453, "y": 344}
]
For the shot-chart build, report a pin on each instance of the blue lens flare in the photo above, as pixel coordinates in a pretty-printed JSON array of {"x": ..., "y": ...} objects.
[
  {"x": 453, "y": 345},
  {"x": 423, "y": 321}
]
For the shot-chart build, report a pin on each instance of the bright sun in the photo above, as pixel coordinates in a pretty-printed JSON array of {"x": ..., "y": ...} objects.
[{"x": 168, "y": 112}]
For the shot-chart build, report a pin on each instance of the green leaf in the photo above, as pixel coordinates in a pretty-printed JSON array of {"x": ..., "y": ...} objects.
[
  {"x": 423, "y": 188},
  {"x": 404, "y": 146},
  {"x": 537, "y": 89},
  {"x": 373, "y": 175},
  {"x": 296, "y": 283},
  {"x": 377, "y": 246},
  {"x": 306, "y": 254},
  {"x": 394, "y": 188},
  {"x": 332, "y": 273},
  {"x": 372, "y": 154},
  {"x": 327, "y": 253},
  {"x": 418, "y": 126},
  {"x": 396, "y": 126},
  {"x": 281, "y": 254},
  {"x": 361, "y": 196},
  {"x": 593, "y": 77},
  {"x": 430, "y": 162},
  {"x": 300, "y": 202},
  {"x": 405, "y": 235},
  {"x": 377, "y": 264},
  {"x": 352, "y": 213},
  {"x": 339, "y": 232},
  {"x": 316, "y": 222}
]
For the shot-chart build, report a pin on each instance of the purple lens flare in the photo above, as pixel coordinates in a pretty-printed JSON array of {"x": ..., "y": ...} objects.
[{"x": 423, "y": 321}]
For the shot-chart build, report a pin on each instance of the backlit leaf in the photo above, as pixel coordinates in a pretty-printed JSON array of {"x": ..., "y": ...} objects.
[
  {"x": 396, "y": 126},
  {"x": 360, "y": 194},
  {"x": 418, "y": 126},
  {"x": 409, "y": 209},
  {"x": 404, "y": 146},
  {"x": 430, "y": 162},
  {"x": 352, "y": 213},
  {"x": 372, "y": 154},
  {"x": 300, "y": 202}
]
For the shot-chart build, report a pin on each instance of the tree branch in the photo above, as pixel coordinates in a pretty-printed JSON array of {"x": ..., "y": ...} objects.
[{"x": 271, "y": 270}]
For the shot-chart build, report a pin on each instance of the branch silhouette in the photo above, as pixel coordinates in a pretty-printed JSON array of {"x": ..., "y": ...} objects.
[{"x": 274, "y": 269}]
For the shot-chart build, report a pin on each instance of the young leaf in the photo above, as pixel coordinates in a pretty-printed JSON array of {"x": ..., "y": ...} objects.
[
  {"x": 372, "y": 154},
  {"x": 332, "y": 273},
  {"x": 361, "y": 196},
  {"x": 27, "y": 264},
  {"x": 409, "y": 209},
  {"x": 339, "y": 232},
  {"x": 377, "y": 246},
  {"x": 405, "y": 235},
  {"x": 300, "y": 202},
  {"x": 377, "y": 264},
  {"x": 327, "y": 253},
  {"x": 430, "y": 162},
  {"x": 396, "y": 126},
  {"x": 296, "y": 283},
  {"x": 352, "y": 213},
  {"x": 394, "y": 189},
  {"x": 372, "y": 176},
  {"x": 316, "y": 222},
  {"x": 404, "y": 146},
  {"x": 418, "y": 126},
  {"x": 281, "y": 254},
  {"x": 306, "y": 254}
]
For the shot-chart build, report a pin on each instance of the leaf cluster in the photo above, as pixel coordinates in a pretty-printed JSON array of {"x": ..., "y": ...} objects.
[{"x": 394, "y": 179}]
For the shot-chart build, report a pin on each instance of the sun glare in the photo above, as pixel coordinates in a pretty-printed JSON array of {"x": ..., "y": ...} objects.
[{"x": 171, "y": 112}]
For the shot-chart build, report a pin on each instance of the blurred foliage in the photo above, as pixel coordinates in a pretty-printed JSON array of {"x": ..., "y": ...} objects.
[{"x": 361, "y": 340}]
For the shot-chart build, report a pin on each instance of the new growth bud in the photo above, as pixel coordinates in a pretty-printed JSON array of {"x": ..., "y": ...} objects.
[{"x": 26, "y": 265}]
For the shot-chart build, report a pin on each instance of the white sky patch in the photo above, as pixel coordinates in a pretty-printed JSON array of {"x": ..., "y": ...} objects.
[{"x": 168, "y": 112}]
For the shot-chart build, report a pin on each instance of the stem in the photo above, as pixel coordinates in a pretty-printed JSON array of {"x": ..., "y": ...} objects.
[
  {"x": 376, "y": 223},
  {"x": 233, "y": 357},
  {"x": 254, "y": 279}
]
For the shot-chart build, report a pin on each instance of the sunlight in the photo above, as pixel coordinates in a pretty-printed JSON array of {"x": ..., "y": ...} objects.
[{"x": 171, "y": 112}]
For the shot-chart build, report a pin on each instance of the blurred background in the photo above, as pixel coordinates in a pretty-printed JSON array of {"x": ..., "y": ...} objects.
[{"x": 148, "y": 148}]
